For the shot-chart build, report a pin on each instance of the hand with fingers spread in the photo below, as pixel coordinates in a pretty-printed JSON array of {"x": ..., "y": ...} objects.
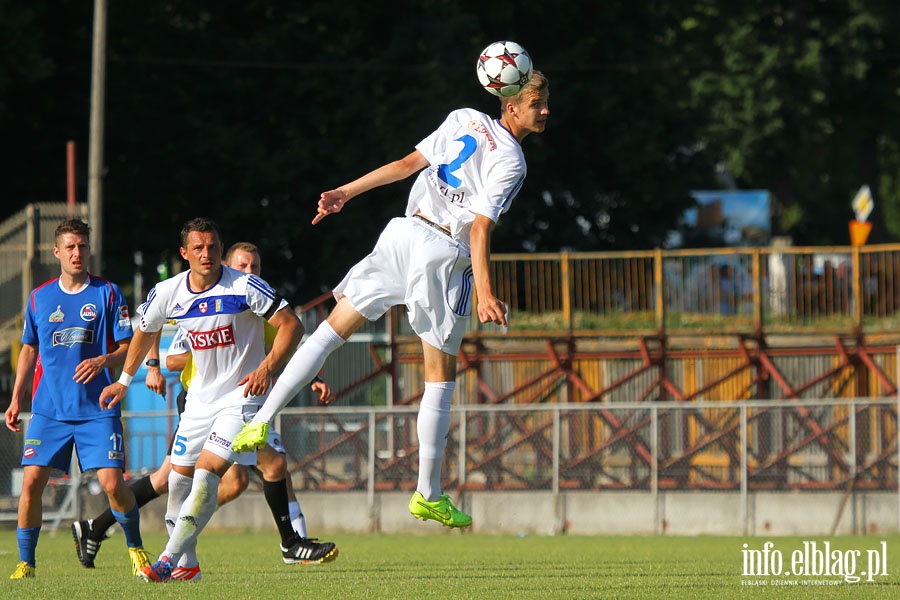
[{"x": 258, "y": 381}]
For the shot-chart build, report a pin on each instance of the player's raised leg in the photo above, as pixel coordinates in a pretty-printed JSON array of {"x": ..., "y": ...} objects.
[{"x": 303, "y": 366}]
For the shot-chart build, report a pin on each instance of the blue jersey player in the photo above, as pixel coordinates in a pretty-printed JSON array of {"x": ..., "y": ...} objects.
[{"x": 77, "y": 329}]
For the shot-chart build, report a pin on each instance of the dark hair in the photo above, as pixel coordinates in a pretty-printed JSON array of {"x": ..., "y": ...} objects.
[
  {"x": 75, "y": 226},
  {"x": 201, "y": 225}
]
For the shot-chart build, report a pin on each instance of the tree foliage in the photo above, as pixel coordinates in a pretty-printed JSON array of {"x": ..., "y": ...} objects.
[{"x": 246, "y": 111}]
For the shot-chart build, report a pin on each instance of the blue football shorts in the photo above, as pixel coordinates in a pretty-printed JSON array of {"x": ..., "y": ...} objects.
[{"x": 99, "y": 443}]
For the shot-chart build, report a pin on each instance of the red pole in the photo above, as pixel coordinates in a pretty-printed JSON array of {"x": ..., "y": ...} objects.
[{"x": 70, "y": 177}]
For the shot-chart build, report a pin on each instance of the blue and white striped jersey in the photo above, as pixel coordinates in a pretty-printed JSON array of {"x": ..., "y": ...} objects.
[{"x": 222, "y": 327}]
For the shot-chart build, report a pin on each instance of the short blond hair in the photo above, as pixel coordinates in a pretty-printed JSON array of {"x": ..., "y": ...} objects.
[
  {"x": 535, "y": 87},
  {"x": 244, "y": 247}
]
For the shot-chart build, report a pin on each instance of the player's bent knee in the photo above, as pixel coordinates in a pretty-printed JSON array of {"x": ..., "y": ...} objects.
[
  {"x": 271, "y": 464},
  {"x": 112, "y": 482},
  {"x": 275, "y": 470}
]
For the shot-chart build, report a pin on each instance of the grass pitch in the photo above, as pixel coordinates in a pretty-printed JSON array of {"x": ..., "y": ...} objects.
[{"x": 450, "y": 566}]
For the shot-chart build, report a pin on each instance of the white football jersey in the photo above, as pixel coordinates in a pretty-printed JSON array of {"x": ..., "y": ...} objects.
[
  {"x": 221, "y": 326},
  {"x": 476, "y": 166}
]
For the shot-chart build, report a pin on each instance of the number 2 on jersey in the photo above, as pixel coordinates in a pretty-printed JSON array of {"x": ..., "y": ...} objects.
[{"x": 445, "y": 171}]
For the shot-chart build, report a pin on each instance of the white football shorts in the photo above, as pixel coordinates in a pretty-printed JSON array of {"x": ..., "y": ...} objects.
[
  {"x": 275, "y": 441},
  {"x": 209, "y": 427},
  {"x": 416, "y": 265}
]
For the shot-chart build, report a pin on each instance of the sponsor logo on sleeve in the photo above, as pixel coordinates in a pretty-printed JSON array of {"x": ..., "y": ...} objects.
[
  {"x": 124, "y": 317},
  {"x": 480, "y": 128}
]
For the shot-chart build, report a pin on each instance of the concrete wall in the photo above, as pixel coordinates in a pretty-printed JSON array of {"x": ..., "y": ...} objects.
[{"x": 581, "y": 513}]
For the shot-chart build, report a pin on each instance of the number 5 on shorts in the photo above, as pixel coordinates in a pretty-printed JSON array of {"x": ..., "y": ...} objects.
[{"x": 178, "y": 447}]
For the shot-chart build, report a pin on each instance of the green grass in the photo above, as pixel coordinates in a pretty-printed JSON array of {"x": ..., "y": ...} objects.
[{"x": 443, "y": 565}]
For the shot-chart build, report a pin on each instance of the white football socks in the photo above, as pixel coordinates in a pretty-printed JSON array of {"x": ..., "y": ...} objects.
[
  {"x": 297, "y": 518},
  {"x": 300, "y": 370},
  {"x": 432, "y": 427},
  {"x": 179, "y": 488},
  {"x": 195, "y": 513}
]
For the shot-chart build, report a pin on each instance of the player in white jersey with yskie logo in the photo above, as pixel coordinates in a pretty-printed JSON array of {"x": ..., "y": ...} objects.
[
  {"x": 271, "y": 463},
  {"x": 471, "y": 167},
  {"x": 218, "y": 307}
]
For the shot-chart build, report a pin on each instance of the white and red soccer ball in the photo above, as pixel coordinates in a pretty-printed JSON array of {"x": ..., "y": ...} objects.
[{"x": 504, "y": 68}]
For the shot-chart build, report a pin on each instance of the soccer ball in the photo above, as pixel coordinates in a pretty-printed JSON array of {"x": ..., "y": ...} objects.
[{"x": 503, "y": 68}]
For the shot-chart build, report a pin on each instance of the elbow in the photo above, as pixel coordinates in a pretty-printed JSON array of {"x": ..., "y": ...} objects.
[{"x": 297, "y": 335}]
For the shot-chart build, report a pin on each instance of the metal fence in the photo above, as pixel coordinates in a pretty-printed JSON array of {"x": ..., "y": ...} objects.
[
  {"x": 846, "y": 445},
  {"x": 773, "y": 289},
  {"x": 26, "y": 252}
]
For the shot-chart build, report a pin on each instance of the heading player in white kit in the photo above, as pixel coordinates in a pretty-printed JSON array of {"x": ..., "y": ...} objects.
[
  {"x": 218, "y": 307},
  {"x": 428, "y": 261}
]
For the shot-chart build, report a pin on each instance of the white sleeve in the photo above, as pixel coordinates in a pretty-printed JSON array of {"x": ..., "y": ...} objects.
[
  {"x": 505, "y": 179},
  {"x": 179, "y": 343},
  {"x": 261, "y": 298},
  {"x": 152, "y": 312},
  {"x": 434, "y": 145}
]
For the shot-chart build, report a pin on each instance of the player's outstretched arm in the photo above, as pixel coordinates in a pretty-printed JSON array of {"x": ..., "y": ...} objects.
[{"x": 333, "y": 201}]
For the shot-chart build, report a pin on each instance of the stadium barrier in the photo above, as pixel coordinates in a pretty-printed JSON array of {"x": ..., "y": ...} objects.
[{"x": 848, "y": 447}]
